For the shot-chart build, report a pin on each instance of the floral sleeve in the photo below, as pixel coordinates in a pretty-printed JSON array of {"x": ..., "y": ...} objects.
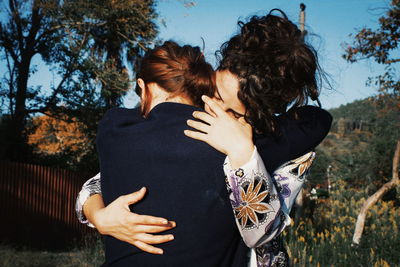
[
  {"x": 262, "y": 203},
  {"x": 254, "y": 198},
  {"x": 289, "y": 179},
  {"x": 89, "y": 188}
]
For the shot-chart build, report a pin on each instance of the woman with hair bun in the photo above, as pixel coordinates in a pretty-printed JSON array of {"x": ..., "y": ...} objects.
[
  {"x": 265, "y": 77},
  {"x": 147, "y": 147}
]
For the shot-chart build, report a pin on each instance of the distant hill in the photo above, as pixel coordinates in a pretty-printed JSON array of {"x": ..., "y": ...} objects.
[{"x": 359, "y": 148}]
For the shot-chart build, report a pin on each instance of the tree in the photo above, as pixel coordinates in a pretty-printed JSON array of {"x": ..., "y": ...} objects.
[
  {"x": 382, "y": 46},
  {"x": 59, "y": 141},
  {"x": 377, "y": 195},
  {"x": 27, "y": 32},
  {"x": 87, "y": 42},
  {"x": 124, "y": 30}
]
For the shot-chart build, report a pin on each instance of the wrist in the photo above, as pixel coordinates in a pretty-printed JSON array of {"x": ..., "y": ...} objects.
[
  {"x": 93, "y": 209},
  {"x": 97, "y": 221},
  {"x": 240, "y": 154}
]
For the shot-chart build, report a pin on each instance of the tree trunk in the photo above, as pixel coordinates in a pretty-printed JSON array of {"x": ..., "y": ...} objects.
[
  {"x": 18, "y": 149},
  {"x": 375, "y": 197}
]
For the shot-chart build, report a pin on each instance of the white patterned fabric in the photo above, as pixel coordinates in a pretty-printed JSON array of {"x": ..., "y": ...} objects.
[
  {"x": 89, "y": 188},
  {"x": 262, "y": 204}
]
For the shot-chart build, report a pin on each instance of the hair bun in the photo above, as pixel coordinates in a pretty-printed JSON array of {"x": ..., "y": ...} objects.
[{"x": 179, "y": 70}]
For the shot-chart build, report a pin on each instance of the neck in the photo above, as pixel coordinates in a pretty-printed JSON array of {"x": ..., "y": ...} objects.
[
  {"x": 176, "y": 99},
  {"x": 158, "y": 95},
  {"x": 168, "y": 99}
]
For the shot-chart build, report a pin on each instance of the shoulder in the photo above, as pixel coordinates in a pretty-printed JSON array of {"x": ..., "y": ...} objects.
[
  {"x": 313, "y": 112},
  {"x": 307, "y": 117},
  {"x": 116, "y": 114},
  {"x": 115, "y": 117},
  {"x": 305, "y": 127}
]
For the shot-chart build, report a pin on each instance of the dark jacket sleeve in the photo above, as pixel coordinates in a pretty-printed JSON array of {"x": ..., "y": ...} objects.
[
  {"x": 308, "y": 130},
  {"x": 300, "y": 131}
]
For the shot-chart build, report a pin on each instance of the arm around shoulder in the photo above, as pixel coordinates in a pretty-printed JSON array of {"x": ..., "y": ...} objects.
[{"x": 307, "y": 128}]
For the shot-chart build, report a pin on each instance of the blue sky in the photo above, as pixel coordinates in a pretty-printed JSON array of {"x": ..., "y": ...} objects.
[
  {"x": 215, "y": 21},
  {"x": 332, "y": 22}
]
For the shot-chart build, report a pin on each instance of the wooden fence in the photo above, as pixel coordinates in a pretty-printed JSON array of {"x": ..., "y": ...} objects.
[{"x": 37, "y": 205}]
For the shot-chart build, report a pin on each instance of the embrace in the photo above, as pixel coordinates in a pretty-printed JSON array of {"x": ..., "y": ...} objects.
[{"x": 222, "y": 154}]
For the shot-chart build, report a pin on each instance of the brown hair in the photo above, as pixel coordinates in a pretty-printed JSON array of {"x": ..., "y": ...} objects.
[{"x": 180, "y": 70}]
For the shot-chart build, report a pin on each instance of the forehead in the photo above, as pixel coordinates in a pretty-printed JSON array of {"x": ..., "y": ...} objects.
[
  {"x": 227, "y": 81},
  {"x": 228, "y": 88}
]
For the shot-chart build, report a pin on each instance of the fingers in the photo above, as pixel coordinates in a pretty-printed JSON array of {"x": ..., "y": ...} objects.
[
  {"x": 214, "y": 106},
  {"x": 147, "y": 248},
  {"x": 209, "y": 111},
  {"x": 200, "y": 126},
  {"x": 242, "y": 120},
  {"x": 153, "y": 229},
  {"x": 147, "y": 220},
  {"x": 154, "y": 239},
  {"x": 135, "y": 197},
  {"x": 196, "y": 135},
  {"x": 203, "y": 116}
]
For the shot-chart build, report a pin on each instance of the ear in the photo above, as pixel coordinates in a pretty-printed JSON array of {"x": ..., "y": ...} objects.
[{"x": 142, "y": 86}]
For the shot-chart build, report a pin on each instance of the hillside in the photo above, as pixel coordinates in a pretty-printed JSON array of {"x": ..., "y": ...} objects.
[{"x": 359, "y": 148}]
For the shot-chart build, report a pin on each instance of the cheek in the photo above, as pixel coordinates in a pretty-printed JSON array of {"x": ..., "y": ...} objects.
[
  {"x": 239, "y": 107},
  {"x": 232, "y": 101}
]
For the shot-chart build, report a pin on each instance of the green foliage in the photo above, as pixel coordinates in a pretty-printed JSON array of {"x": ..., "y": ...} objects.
[
  {"x": 319, "y": 169},
  {"x": 324, "y": 238},
  {"x": 357, "y": 111},
  {"x": 363, "y": 155},
  {"x": 91, "y": 45},
  {"x": 382, "y": 46},
  {"x": 116, "y": 33}
]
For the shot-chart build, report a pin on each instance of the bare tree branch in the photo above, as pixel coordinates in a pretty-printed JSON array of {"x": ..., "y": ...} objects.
[
  {"x": 377, "y": 196},
  {"x": 130, "y": 41}
]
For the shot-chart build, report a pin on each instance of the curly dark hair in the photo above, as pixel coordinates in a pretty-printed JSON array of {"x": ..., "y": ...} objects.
[{"x": 276, "y": 68}]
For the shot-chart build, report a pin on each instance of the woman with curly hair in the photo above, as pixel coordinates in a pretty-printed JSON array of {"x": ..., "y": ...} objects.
[{"x": 266, "y": 75}]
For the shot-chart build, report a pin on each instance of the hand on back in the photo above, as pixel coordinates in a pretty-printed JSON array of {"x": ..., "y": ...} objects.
[{"x": 119, "y": 222}]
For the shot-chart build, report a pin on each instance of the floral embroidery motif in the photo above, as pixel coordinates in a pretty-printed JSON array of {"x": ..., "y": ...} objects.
[
  {"x": 297, "y": 168},
  {"x": 234, "y": 188},
  {"x": 254, "y": 205},
  {"x": 301, "y": 165},
  {"x": 239, "y": 172}
]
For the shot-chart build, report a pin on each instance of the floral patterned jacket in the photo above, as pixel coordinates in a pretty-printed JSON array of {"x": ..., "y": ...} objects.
[{"x": 261, "y": 203}]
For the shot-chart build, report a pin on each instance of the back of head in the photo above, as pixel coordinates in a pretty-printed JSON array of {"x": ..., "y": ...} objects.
[
  {"x": 180, "y": 70},
  {"x": 275, "y": 67}
]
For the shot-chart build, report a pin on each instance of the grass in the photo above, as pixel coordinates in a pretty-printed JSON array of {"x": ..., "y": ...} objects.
[{"x": 90, "y": 255}]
